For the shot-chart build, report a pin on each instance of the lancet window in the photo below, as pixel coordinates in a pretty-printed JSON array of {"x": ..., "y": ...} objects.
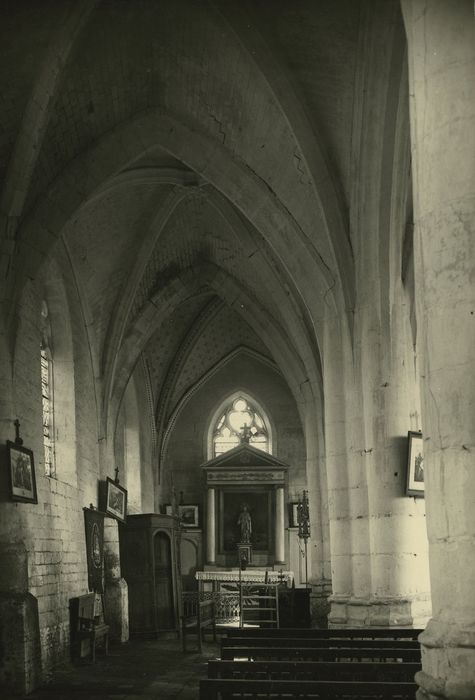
[
  {"x": 47, "y": 394},
  {"x": 240, "y": 422}
]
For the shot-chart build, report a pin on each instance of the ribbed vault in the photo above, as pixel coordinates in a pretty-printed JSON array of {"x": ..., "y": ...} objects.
[{"x": 184, "y": 155}]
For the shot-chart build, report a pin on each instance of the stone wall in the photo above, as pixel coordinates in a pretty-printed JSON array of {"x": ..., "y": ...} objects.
[
  {"x": 42, "y": 545},
  {"x": 187, "y": 444}
]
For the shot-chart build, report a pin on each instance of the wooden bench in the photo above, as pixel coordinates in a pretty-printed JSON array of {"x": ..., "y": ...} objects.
[
  {"x": 313, "y": 670},
  {"x": 322, "y": 643},
  {"x": 290, "y": 643},
  {"x": 225, "y": 689},
  {"x": 290, "y": 653},
  {"x": 353, "y": 633},
  {"x": 198, "y": 613},
  {"x": 88, "y": 624}
]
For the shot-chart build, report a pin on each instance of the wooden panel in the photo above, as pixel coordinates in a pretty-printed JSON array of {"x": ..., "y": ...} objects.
[{"x": 147, "y": 548}]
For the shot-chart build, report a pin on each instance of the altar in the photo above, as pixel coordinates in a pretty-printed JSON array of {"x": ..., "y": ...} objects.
[
  {"x": 245, "y": 509},
  {"x": 217, "y": 578},
  {"x": 226, "y": 589}
]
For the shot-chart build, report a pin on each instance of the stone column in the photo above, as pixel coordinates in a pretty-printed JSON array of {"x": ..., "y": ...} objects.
[
  {"x": 20, "y": 670},
  {"x": 441, "y": 46},
  {"x": 337, "y": 423},
  {"x": 116, "y": 599},
  {"x": 279, "y": 525},
  {"x": 211, "y": 527}
]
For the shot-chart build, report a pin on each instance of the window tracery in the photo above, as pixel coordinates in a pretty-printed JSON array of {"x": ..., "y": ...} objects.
[
  {"x": 239, "y": 422},
  {"x": 46, "y": 360}
]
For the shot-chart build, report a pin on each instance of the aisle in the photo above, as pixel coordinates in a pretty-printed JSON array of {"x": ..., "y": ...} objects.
[{"x": 138, "y": 670}]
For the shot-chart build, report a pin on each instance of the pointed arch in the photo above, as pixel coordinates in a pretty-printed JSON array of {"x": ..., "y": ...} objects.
[
  {"x": 242, "y": 349},
  {"x": 229, "y": 399}
]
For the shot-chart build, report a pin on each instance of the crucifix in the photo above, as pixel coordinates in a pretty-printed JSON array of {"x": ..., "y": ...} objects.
[
  {"x": 245, "y": 434},
  {"x": 18, "y": 439}
]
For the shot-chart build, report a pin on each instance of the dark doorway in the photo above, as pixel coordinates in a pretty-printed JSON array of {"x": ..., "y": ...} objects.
[{"x": 163, "y": 581}]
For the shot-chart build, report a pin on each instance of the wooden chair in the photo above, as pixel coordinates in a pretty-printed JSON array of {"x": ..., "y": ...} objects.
[{"x": 87, "y": 623}]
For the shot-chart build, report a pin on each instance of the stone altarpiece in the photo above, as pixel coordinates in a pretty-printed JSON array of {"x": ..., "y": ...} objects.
[{"x": 245, "y": 476}]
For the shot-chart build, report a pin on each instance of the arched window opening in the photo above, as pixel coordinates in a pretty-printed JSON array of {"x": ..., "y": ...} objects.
[
  {"x": 240, "y": 421},
  {"x": 47, "y": 393}
]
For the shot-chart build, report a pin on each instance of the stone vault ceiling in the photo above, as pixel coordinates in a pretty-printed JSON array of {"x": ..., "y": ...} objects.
[{"x": 183, "y": 152}]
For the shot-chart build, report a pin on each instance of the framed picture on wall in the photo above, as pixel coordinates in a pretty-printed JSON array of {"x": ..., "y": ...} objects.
[
  {"x": 188, "y": 515},
  {"x": 415, "y": 465},
  {"x": 21, "y": 470},
  {"x": 293, "y": 514},
  {"x": 116, "y": 500}
]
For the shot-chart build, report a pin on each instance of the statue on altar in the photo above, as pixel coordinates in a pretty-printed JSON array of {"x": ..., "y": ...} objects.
[{"x": 245, "y": 523}]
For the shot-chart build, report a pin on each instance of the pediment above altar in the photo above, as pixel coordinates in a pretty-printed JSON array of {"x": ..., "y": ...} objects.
[{"x": 245, "y": 456}]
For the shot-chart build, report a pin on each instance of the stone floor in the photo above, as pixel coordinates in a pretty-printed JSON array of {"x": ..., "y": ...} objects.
[{"x": 137, "y": 670}]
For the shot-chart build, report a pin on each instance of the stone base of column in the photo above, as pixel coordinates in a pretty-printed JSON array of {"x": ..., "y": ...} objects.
[
  {"x": 20, "y": 670},
  {"x": 347, "y": 611},
  {"x": 320, "y": 602},
  {"x": 116, "y": 601},
  {"x": 449, "y": 662}
]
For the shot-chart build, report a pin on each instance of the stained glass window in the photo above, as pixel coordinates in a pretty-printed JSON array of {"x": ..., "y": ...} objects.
[
  {"x": 240, "y": 421},
  {"x": 47, "y": 395}
]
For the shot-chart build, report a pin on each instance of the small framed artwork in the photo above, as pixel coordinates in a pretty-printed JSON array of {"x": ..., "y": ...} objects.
[
  {"x": 21, "y": 469},
  {"x": 168, "y": 509},
  {"x": 116, "y": 500},
  {"x": 188, "y": 515},
  {"x": 415, "y": 465},
  {"x": 293, "y": 514}
]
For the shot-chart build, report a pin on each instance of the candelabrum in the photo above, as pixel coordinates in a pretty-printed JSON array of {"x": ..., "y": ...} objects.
[{"x": 303, "y": 521}]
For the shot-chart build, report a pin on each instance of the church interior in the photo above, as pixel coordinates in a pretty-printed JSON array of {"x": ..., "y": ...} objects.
[{"x": 236, "y": 329}]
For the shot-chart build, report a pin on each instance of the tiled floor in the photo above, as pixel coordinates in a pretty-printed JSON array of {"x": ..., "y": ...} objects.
[{"x": 137, "y": 670}]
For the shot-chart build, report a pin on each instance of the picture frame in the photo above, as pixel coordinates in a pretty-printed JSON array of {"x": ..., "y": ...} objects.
[
  {"x": 189, "y": 515},
  {"x": 168, "y": 509},
  {"x": 293, "y": 514},
  {"x": 21, "y": 470},
  {"x": 115, "y": 500},
  {"x": 415, "y": 465}
]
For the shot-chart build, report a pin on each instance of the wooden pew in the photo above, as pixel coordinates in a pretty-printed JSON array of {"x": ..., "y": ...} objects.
[
  {"x": 289, "y": 653},
  {"x": 197, "y": 615},
  {"x": 313, "y": 670},
  {"x": 353, "y": 633},
  {"x": 225, "y": 689},
  {"x": 323, "y": 643}
]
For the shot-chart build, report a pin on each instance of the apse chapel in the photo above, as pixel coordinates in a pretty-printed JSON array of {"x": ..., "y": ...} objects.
[{"x": 236, "y": 291}]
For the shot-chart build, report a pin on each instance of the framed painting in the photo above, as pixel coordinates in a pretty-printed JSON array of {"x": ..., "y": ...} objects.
[
  {"x": 188, "y": 515},
  {"x": 415, "y": 465},
  {"x": 94, "y": 523},
  {"x": 168, "y": 509},
  {"x": 293, "y": 514},
  {"x": 21, "y": 469},
  {"x": 116, "y": 500}
]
